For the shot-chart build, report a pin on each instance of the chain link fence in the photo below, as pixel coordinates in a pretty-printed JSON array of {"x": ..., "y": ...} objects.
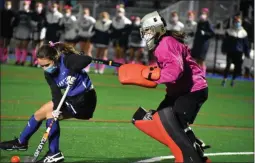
[{"x": 219, "y": 10}]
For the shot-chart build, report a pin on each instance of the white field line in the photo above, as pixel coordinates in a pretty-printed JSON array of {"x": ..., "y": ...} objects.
[{"x": 160, "y": 158}]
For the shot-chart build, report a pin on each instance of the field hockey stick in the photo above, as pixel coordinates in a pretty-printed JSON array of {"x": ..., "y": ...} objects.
[
  {"x": 106, "y": 62},
  {"x": 46, "y": 134}
]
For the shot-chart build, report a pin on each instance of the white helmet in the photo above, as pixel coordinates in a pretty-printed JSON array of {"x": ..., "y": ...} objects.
[{"x": 152, "y": 28}]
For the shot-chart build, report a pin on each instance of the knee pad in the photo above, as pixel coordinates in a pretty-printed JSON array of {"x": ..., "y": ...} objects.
[{"x": 163, "y": 126}]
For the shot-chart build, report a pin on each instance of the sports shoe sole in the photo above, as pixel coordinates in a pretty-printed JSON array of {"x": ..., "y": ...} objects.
[{"x": 11, "y": 149}]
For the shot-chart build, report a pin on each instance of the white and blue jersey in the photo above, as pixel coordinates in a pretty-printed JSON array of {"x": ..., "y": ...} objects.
[
  {"x": 82, "y": 82},
  {"x": 81, "y": 98},
  {"x": 81, "y": 91}
]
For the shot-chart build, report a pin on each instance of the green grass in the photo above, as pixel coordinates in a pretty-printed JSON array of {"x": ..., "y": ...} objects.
[{"x": 225, "y": 121}]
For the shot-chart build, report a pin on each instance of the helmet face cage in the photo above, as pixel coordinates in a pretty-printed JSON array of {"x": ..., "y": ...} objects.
[
  {"x": 152, "y": 27},
  {"x": 148, "y": 33}
]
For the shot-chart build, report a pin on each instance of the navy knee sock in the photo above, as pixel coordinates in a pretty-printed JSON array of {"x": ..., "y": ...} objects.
[
  {"x": 53, "y": 136},
  {"x": 31, "y": 127}
]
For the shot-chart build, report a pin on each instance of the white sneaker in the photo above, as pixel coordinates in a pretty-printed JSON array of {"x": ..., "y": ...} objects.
[
  {"x": 58, "y": 157},
  {"x": 96, "y": 71}
]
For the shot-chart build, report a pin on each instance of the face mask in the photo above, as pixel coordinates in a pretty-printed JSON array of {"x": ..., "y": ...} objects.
[
  {"x": 8, "y": 7},
  {"x": 237, "y": 24},
  {"x": 51, "y": 69},
  {"x": 175, "y": 19},
  {"x": 119, "y": 14},
  {"x": 190, "y": 18},
  {"x": 137, "y": 23},
  {"x": 68, "y": 14},
  {"x": 203, "y": 17},
  {"x": 26, "y": 7},
  {"x": 39, "y": 9},
  {"x": 104, "y": 20},
  {"x": 54, "y": 9}
]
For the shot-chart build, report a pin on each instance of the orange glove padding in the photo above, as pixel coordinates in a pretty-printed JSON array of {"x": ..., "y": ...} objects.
[
  {"x": 151, "y": 73},
  {"x": 131, "y": 74}
]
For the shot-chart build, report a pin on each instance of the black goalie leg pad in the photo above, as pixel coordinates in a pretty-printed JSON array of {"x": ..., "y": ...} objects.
[
  {"x": 164, "y": 127},
  {"x": 175, "y": 130}
]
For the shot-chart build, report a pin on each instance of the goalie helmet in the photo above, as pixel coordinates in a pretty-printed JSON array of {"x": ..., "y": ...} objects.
[{"x": 152, "y": 28}]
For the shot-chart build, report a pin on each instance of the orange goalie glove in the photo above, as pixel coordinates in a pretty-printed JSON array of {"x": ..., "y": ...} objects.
[{"x": 137, "y": 74}]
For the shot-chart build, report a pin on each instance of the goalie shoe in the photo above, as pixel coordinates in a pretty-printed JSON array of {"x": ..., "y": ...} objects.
[
  {"x": 49, "y": 157},
  {"x": 202, "y": 144}
]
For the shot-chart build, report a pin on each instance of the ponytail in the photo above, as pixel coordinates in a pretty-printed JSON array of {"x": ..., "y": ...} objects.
[
  {"x": 53, "y": 51},
  {"x": 65, "y": 49},
  {"x": 178, "y": 35}
]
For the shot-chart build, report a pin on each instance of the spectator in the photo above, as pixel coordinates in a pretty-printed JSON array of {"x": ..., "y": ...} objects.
[
  {"x": 190, "y": 28},
  {"x": 119, "y": 34},
  {"x": 234, "y": 45},
  {"x": 136, "y": 44},
  {"x": 85, "y": 25},
  {"x": 102, "y": 30},
  {"x": 7, "y": 16},
  {"x": 38, "y": 21},
  {"x": 248, "y": 25},
  {"x": 201, "y": 42},
  {"x": 69, "y": 24},
  {"x": 53, "y": 18},
  {"x": 22, "y": 32},
  {"x": 244, "y": 6},
  {"x": 174, "y": 24}
]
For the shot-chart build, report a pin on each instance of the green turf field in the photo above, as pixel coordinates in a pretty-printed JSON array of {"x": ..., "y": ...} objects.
[{"x": 226, "y": 120}]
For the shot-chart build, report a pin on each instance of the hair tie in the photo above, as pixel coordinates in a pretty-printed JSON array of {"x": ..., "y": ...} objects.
[{"x": 53, "y": 44}]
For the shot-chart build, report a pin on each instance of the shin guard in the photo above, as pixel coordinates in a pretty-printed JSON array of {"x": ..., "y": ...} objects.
[{"x": 165, "y": 128}]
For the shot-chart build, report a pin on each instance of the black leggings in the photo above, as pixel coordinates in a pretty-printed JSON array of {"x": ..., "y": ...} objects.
[
  {"x": 81, "y": 106},
  {"x": 236, "y": 59},
  {"x": 187, "y": 106}
]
